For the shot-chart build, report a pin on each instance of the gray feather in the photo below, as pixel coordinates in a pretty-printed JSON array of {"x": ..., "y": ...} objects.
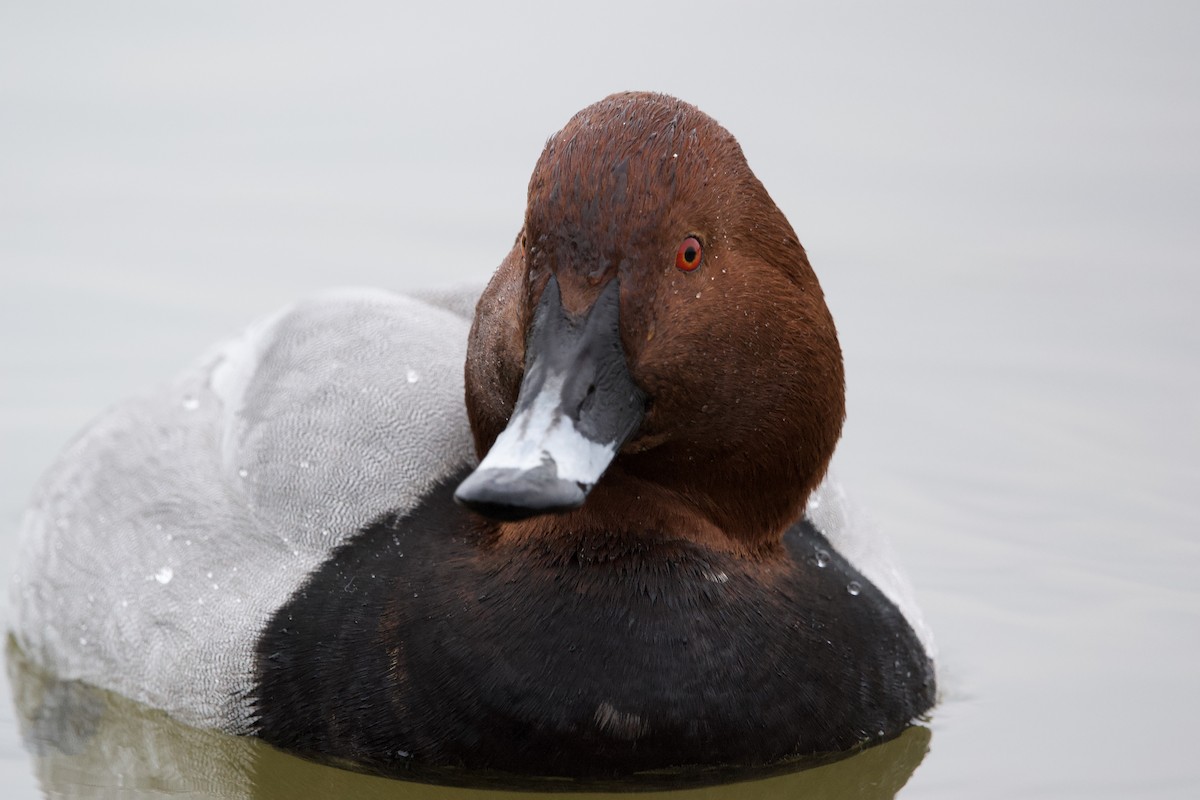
[{"x": 169, "y": 531}]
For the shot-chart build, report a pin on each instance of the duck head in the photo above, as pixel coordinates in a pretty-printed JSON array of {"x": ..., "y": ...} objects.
[{"x": 655, "y": 338}]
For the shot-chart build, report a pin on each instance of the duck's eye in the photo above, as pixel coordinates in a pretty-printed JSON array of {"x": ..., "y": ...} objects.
[{"x": 687, "y": 257}]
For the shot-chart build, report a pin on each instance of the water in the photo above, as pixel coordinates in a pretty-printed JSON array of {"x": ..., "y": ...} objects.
[{"x": 1001, "y": 205}]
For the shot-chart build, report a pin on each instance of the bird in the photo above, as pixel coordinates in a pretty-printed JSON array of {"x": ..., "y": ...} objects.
[{"x": 581, "y": 523}]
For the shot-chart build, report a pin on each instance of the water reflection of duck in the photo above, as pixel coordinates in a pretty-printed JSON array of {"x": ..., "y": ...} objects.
[
  {"x": 270, "y": 545},
  {"x": 88, "y": 743}
]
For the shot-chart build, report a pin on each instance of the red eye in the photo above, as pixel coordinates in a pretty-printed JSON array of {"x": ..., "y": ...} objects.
[{"x": 687, "y": 258}]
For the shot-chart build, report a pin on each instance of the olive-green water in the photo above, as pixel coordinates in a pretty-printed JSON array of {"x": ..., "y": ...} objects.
[{"x": 1002, "y": 202}]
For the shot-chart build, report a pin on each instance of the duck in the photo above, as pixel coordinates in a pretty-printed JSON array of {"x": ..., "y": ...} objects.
[{"x": 580, "y": 524}]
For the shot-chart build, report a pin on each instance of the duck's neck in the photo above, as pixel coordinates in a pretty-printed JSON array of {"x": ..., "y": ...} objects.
[{"x": 624, "y": 511}]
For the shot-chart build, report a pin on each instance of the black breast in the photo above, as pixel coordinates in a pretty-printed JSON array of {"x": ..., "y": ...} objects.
[{"x": 421, "y": 645}]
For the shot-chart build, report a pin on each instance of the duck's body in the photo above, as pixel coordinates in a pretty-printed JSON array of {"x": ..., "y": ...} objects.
[{"x": 269, "y": 544}]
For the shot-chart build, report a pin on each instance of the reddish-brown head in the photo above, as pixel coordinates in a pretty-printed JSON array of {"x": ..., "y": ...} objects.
[{"x": 722, "y": 324}]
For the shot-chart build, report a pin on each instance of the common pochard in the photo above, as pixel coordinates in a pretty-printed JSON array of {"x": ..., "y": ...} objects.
[{"x": 647, "y": 567}]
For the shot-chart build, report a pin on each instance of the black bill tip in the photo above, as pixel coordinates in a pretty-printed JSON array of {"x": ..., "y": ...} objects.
[{"x": 508, "y": 494}]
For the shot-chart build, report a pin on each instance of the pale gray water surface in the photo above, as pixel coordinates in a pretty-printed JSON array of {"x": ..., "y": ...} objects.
[{"x": 1002, "y": 205}]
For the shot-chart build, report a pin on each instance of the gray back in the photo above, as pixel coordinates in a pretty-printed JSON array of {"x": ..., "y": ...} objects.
[{"x": 168, "y": 532}]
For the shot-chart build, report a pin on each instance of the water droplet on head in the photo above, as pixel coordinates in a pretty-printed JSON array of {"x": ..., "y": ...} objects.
[
  {"x": 164, "y": 575},
  {"x": 412, "y": 376},
  {"x": 305, "y": 464},
  {"x": 821, "y": 558},
  {"x": 190, "y": 402},
  {"x": 243, "y": 472},
  {"x": 854, "y": 587}
]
